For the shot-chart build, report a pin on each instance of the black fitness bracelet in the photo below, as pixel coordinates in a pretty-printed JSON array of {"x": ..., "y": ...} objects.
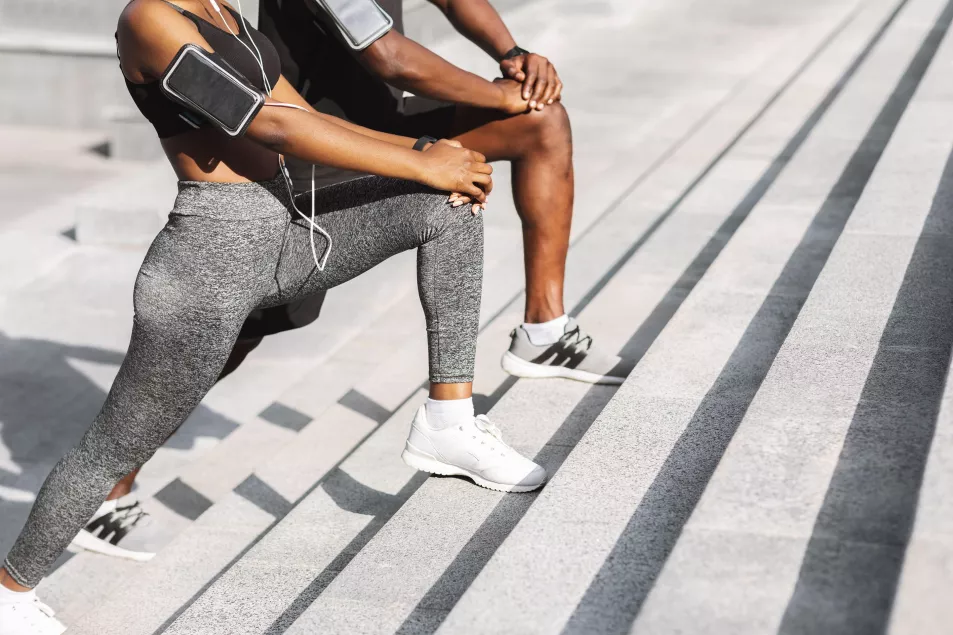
[
  {"x": 423, "y": 141},
  {"x": 516, "y": 51}
]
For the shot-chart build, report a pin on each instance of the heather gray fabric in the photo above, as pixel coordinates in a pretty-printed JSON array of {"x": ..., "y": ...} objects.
[
  {"x": 228, "y": 249},
  {"x": 573, "y": 351}
]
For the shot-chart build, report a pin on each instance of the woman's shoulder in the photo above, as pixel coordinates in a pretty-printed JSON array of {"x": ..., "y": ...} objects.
[{"x": 140, "y": 16}]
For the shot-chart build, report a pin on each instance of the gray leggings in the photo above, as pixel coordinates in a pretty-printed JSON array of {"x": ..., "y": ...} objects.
[{"x": 226, "y": 250}]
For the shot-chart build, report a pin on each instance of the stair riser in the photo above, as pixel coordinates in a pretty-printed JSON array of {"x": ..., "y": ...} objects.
[
  {"x": 59, "y": 90},
  {"x": 93, "y": 17}
]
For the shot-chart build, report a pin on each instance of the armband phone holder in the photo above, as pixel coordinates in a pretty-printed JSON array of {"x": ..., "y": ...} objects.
[
  {"x": 361, "y": 22},
  {"x": 207, "y": 85}
]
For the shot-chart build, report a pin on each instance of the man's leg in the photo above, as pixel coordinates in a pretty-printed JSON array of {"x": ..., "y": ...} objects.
[{"x": 539, "y": 145}]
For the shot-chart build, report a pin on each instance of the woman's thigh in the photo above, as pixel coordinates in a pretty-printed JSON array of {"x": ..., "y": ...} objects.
[{"x": 369, "y": 220}]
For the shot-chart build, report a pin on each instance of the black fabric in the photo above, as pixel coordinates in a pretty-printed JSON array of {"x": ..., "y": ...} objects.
[
  {"x": 263, "y": 322},
  {"x": 329, "y": 76},
  {"x": 164, "y": 113}
]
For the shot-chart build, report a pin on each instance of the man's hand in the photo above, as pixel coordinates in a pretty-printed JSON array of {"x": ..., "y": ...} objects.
[
  {"x": 541, "y": 84},
  {"x": 512, "y": 101}
]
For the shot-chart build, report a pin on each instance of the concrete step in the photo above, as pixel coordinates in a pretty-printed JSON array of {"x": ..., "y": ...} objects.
[
  {"x": 64, "y": 16},
  {"x": 225, "y": 466},
  {"x": 817, "y": 490},
  {"x": 599, "y": 183},
  {"x": 129, "y": 210},
  {"x": 217, "y": 470},
  {"x": 73, "y": 79},
  {"x": 369, "y": 482},
  {"x": 392, "y": 380},
  {"x": 462, "y": 537},
  {"x": 616, "y": 543}
]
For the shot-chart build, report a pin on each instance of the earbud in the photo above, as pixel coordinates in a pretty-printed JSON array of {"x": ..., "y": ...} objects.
[{"x": 215, "y": 6}]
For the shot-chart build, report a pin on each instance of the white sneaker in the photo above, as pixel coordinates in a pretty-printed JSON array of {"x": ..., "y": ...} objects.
[
  {"x": 111, "y": 523},
  {"x": 474, "y": 449},
  {"x": 24, "y": 614}
]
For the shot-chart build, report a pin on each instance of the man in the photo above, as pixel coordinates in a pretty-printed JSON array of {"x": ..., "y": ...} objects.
[{"x": 350, "y": 58}]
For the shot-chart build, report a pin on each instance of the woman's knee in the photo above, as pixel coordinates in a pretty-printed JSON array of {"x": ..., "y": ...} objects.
[{"x": 440, "y": 220}]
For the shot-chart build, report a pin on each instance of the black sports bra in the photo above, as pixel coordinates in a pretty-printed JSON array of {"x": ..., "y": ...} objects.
[{"x": 164, "y": 114}]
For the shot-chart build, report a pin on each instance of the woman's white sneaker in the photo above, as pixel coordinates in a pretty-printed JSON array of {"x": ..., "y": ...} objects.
[
  {"x": 473, "y": 448},
  {"x": 24, "y": 614}
]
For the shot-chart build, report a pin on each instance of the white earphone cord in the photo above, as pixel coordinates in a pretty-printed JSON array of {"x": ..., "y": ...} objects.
[{"x": 320, "y": 263}]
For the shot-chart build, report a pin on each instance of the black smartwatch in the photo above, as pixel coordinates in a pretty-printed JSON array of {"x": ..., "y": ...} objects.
[
  {"x": 516, "y": 51},
  {"x": 422, "y": 143}
]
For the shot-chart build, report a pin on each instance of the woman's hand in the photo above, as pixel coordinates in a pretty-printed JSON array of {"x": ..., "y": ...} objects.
[{"x": 466, "y": 174}]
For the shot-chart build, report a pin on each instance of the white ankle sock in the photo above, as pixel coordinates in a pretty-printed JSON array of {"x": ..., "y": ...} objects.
[
  {"x": 443, "y": 413},
  {"x": 8, "y": 596},
  {"x": 547, "y": 332}
]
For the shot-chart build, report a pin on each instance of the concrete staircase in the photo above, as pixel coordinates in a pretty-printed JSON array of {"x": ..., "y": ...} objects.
[{"x": 763, "y": 233}]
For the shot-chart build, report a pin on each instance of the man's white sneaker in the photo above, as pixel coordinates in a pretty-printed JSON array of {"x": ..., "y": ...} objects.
[
  {"x": 571, "y": 357},
  {"x": 24, "y": 614},
  {"x": 474, "y": 449}
]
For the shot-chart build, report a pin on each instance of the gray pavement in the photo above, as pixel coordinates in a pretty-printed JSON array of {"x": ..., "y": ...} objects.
[{"x": 761, "y": 231}]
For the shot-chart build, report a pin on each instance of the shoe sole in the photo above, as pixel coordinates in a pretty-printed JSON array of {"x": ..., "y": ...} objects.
[
  {"x": 519, "y": 367},
  {"x": 88, "y": 542},
  {"x": 425, "y": 463}
]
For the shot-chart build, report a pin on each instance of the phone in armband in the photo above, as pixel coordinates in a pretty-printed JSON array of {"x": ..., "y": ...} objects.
[
  {"x": 206, "y": 84},
  {"x": 361, "y": 22}
]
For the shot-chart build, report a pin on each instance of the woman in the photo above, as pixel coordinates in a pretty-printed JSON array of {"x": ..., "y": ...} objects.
[{"x": 233, "y": 243}]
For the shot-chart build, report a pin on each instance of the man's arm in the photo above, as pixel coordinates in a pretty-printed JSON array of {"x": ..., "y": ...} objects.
[
  {"x": 406, "y": 65},
  {"x": 479, "y": 22}
]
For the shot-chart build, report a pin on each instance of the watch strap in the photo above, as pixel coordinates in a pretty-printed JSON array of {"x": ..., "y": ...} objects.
[
  {"x": 423, "y": 141},
  {"x": 516, "y": 51}
]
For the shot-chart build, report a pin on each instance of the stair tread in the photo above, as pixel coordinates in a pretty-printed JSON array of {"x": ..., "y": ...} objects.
[
  {"x": 235, "y": 582},
  {"x": 746, "y": 545}
]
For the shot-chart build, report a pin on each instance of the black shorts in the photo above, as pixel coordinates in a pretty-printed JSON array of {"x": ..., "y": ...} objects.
[
  {"x": 416, "y": 117},
  {"x": 263, "y": 322}
]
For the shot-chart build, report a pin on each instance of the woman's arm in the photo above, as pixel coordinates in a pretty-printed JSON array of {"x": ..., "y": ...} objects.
[
  {"x": 151, "y": 34},
  {"x": 285, "y": 92}
]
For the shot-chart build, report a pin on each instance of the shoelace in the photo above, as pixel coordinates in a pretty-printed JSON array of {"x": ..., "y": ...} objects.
[
  {"x": 576, "y": 338},
  {"x": 482, "y": 422},
  {"x": 130, "y": 516}
]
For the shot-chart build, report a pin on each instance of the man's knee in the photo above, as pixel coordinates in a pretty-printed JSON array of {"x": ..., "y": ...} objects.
[{"x": 549, "y": 129}]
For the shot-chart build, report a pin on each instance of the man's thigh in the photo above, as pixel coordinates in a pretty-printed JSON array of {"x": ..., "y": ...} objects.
[
  {"x": 420, "y": 116},
  {"x": 501, "y": 136},
  {"x": 498, "y": 135}
]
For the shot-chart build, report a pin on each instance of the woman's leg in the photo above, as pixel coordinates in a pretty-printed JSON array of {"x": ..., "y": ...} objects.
[
  {"x": 372, "y": 219},
  {"x": 199, "y": 280}
]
